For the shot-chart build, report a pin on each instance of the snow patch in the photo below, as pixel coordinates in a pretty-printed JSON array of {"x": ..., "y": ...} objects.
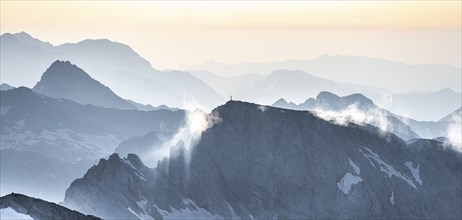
[
  {"x": 137, "y": 172},
  {"x": 134, "y": 213},
  {"x": 10, "y": 213},
  {"x": 415, "y": 171},
  {"x": 188, "y": 212},
  {"x": 142, "y": 205},
  {"x": 384, "y": 167},
  {"x": 392, "y": 198},
  {"x": 347, "y": 181},
  {"x": 233, "y": 213},
  {"x": 356, "y": 168}
]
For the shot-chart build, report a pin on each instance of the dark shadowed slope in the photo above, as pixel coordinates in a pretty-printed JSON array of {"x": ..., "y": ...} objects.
[
  {"x": 263, "y": 162},
  {"x": 19, "y": 206}
]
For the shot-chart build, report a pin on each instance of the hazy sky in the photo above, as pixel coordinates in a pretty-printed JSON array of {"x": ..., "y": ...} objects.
[{"x": 169, "y": 34}]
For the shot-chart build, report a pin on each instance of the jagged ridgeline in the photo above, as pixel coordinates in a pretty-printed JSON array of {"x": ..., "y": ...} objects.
[{"x": 264, "y": 162}]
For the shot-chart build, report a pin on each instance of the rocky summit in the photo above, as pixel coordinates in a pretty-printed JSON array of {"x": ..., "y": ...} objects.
[{"x": 263, "y": 162}]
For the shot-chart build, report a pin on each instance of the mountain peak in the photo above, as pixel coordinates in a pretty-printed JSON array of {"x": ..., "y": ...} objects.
[
  {"x": 323, "y": 57},
  {"x": 22, "y": 34},
  {"x": 325, "y": 95},
  {"x": 65, "y": 80},
  {"x": 65, "y": 70},
  {"x": 446, "y": 90},
  {"x": 280, "y": 101},
  {"x": 5, "y": 86},
  {"x": 27, "y": 39},
  {"x": 133, "y": 159}
]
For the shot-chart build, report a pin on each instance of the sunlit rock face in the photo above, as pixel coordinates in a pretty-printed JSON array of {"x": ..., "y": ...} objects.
[{"x": 263, "y": 162}]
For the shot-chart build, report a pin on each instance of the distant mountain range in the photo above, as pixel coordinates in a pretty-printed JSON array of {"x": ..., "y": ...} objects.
[
  {"x": 4, "y": 87},
  {"x": 296, "y": 85},
  {"x": 113, "y": 64},
  {"x": 132, "y": 77},
  {"x": 405, "y": 127},
  {"x": 428, "y": 106},
  {"x": 228, "y": 85},
  {"x": 263, "y": 162},
  {"x": 353, "y": 69},
  {"x": 105, "y": 131},
  {"x": 357, "y": 108}
]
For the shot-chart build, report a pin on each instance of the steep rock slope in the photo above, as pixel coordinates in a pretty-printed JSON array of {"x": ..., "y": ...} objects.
[
  {"x": 262, "y": 162},
  {"x": 22, "y": 207}
]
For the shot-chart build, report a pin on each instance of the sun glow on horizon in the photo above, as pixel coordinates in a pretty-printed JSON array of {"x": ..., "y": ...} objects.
[{"x": 170, "y": 34}]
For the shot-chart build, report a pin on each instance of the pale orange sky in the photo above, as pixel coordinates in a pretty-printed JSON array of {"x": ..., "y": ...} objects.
[{"x": 169, "y": 34}]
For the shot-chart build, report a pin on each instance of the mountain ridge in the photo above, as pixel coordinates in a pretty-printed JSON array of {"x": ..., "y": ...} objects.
[
  {"x": 65, "y": 80},
  {"x": 281, "y": 164}
]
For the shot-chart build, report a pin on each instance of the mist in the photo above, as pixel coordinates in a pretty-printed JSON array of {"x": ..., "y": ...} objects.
[
  {"x": 355, "y": 115},
  {"x": 454, "y": 132}
]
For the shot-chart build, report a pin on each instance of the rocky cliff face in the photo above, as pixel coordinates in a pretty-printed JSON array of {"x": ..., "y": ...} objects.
[
  {"x": 262, "y": 162},
  {"x": 126, "y": 189},
  {"x": 14, "y": 206}
]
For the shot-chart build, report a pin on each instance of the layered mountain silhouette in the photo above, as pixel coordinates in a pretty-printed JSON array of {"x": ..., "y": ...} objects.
[
  {"x": 132, "y": 77},
  {"x": 113, "y": 64},
  {"x": 18, "y": 206},
  {"x": 425, "y": 106},
  {"x": 353, "y": 69},
  {"x": 148, "y": 146},
  {"x": 263, "y": 162},
  {"x": 5, "y": 86},
  {"x": 352, "y": 107},
  {"x": 291, "y": 83},
  {"x": 59, "y": 133},
  {"x": 448, "y": 118},
  {"x": 228, "y": 85},
  {"x": 405, "y": 127},
  {"x": 82, "y": 134},
  {"x": 65, "y": 80}
]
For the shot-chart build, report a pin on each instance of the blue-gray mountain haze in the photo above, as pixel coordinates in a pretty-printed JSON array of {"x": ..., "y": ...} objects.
[{"x": 92, "y": 128}]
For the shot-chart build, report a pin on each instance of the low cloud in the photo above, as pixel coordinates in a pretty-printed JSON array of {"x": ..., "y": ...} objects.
[
  {"x": 454, "y": 132},
  {"x": 356, "y": 115},
  {"x": 187, "y": 137}
]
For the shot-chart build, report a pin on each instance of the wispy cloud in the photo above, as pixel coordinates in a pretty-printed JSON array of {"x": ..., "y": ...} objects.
[{"x": 355, "y": 115}]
